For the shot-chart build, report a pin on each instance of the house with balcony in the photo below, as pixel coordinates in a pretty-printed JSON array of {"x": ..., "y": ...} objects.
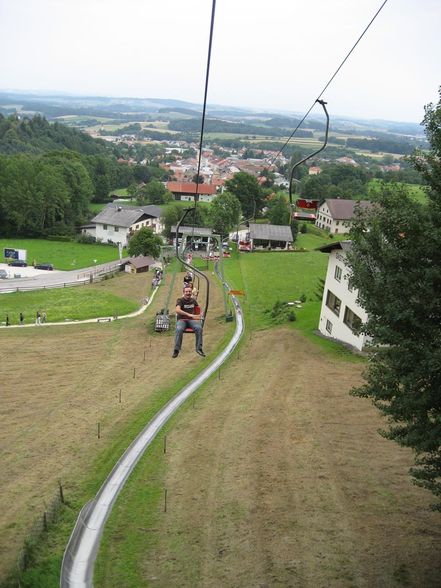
[{"x": 341, "y": 314}]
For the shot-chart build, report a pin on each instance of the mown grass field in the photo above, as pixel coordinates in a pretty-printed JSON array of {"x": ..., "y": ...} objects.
[
  {"x": 68, "y": 379},
  {"x": 274, "y": 474},
  {"x": 77, "y": 303},
  {"x": 268, "y": 278},
  {"x": 64, "y": 255}
]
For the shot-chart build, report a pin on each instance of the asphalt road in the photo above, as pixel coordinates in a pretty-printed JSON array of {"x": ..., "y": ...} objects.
[{"x": 29, "y": 278}]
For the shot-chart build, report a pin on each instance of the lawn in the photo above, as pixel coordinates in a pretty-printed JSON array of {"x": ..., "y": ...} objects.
[
  {"x": 267, "y": 277},
  {"x": 119, "y": 192},
  {"x": 96, "y": 207},
  {"x": 274, "y": 476},
  {"x": 116, "y": 296},
  {"x": 270, "y": 277},
  {"x": 64, "y": 255},
  {"x": 69, "y": 379},
  {"x": 63, "y": 304}
]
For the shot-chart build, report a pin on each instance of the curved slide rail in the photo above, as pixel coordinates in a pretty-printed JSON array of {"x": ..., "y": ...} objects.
[{"x": 79, "y": 557}]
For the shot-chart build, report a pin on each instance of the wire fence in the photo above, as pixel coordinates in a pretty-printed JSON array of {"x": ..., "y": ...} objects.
[{"x": 39, "y": 529}]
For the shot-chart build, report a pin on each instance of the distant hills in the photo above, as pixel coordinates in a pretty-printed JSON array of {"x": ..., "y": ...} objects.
[{"x": 126, "y": 109}]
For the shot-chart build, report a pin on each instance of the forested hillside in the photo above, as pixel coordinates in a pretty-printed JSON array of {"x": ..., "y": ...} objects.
[
  {"x": 37, "y": 135},
  {"x": 50, "y": 173}
]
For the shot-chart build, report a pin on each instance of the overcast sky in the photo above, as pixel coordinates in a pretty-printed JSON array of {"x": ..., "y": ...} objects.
[{"x": 276, "y": 54}]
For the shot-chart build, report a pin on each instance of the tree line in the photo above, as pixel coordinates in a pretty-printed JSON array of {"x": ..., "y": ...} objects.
[{"x": 50, "y": 173}]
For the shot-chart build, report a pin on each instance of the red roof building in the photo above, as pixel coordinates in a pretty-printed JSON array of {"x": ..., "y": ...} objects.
[{"x": 187, "y": 190}]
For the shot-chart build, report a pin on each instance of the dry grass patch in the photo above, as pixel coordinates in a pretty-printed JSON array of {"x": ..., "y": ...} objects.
[
  {"x": 278, "y": 477},
  {"x": 57, "y": 384}
]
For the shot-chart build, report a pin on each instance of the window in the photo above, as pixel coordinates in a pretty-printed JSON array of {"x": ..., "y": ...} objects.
[
  {"x": 116, "y": 229},
  {"x": 351, "y": 320},
  {"x": 329, "y": 326},
  {"x": 333, "y": 303},
  {"x": 105, "y": 227},
  {"x": 338, "y": 273}
]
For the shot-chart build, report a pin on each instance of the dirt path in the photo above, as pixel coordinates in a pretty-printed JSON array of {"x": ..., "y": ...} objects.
[{"x": 279, "y": 478}]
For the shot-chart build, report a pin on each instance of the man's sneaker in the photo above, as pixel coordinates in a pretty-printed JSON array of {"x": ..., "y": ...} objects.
[
  {"x": 175, "y": 353},
  {"x": 200, "y": 352}
]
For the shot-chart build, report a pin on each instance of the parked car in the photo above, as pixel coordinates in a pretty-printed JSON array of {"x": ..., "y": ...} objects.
[
  {"x": 44, "y": 266},
  {"x": 3, "y": 274},
  {"x": 18, "y": 263}
]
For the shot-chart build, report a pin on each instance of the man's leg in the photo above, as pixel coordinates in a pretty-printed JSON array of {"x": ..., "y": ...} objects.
[
  {"x": 180, "y": 328},
  {"x": 197, "y": 327}
]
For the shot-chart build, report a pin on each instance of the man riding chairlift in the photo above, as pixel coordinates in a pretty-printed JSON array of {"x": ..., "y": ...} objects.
[{"x": 188, "y": 320}]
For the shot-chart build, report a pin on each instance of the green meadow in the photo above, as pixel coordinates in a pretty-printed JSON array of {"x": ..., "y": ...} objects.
[
  {"x": 269, "y": 278},
  {"x": 417, "y": 192},
  {"x": 61, "y": 304}
]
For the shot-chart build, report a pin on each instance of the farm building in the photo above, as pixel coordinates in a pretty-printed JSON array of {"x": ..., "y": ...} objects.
[
  {"x": 270, "y": 236},
  {"x": 139, "y": 264},
  {"x": 335, "y": 215},
  {"x": 187, "y": 190}
]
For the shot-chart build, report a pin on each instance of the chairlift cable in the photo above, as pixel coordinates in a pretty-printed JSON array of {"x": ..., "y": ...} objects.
[
  {"x": 196, "y": 196},
  {"x": 329, "y": 82},
  {"x": 295, "y": 166}
]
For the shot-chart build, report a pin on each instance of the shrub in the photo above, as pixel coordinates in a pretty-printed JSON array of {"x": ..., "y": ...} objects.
[
  {"x": 281, "y": 312},
  {"x": 85, "y": 238}
]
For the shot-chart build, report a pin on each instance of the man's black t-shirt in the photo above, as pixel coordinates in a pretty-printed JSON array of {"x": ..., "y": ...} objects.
[{"x": 187, "y": 306}]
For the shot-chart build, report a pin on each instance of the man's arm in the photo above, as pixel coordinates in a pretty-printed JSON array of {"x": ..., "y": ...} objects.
[{"x": 186, "y": 315}]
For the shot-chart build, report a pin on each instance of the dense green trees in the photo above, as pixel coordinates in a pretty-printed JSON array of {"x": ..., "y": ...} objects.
[
  {"x": 278, "y": 210},
  {"x": 396, "y": 266},
  {"x": 336, "y": 181},
  {"x": 247, "y": 190},
  {"x": 43, "y": 195},
  {"x": 154, "y": 193},
  {"x": 225, "y": 213},
  {"x": 173, "y": 212},
  {"x": 145, "y": 242},
  {"x": 50, "y": 173},
  {"x": 36, "y": 135}
]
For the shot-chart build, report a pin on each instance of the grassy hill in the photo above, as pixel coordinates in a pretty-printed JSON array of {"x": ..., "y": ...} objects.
[{"x": 274, "y": 474}]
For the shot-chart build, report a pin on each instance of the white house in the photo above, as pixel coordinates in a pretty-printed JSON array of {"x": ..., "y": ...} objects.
[
  {"x": 340, "y": 313},
  {"x": 116, "y": 223},
  {"x": 336, "y": 214}
]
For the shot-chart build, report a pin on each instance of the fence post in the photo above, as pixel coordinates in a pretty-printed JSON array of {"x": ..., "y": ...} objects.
[{"x": 61, "y": 492}]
